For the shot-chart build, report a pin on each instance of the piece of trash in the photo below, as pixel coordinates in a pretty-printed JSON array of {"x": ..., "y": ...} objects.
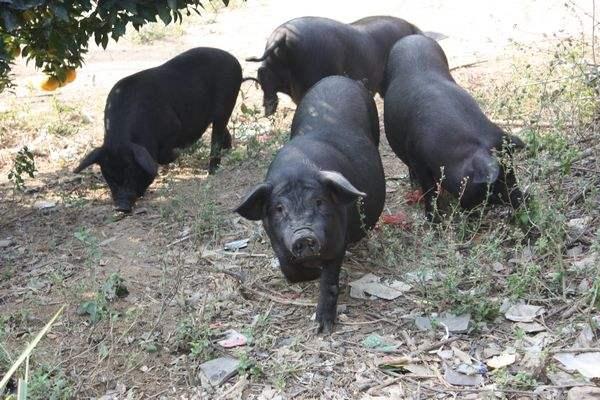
[
  {"x": 503, "y": 360},
  {"x": 587, "y": 364},
  {"x": 461, "y": 355},
  {"x": 371, "y": 284},
  {"x": 414, "y": 197},
  {"x": 395, "y": 362},
  {"x": 44, "y": 205},
  {"x": 562, "y": 378},
  {"x": 399, "y": 219},
  {"x": 420, "y": 276},
  {"x": 523, "y": 312},
  {"x": 237, "y": 245},
  {"x": 445, "y": 354},
  {"x": 577, "y": 226},
  {"x": 584, "y": 393},
  {"x": 233, "y": 339},
  {"x": 454, "y": 323},
  {"x": 219, "y": 370},
  {"x": 274, "y": 263},
  {"x": 584, "y": 264},
  {"x": 376, "y": 342},
  {"x": 6, "y": 243},
  {"x": 531, "y": 327},
  {"x": 586, "y": 337},
  {"x": 498, "y": 267},
  {"x": 418, "y": 369},
  {"x": 471, "y": 369},
  {"x": 458, "y": 379}
]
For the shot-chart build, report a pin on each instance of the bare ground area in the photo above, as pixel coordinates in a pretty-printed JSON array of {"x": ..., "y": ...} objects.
[{"x": 148, "y": 297}]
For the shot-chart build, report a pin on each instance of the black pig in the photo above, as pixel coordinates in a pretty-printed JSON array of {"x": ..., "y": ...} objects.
[
  {"x": 150, "y": 114},
  {"x": 309, "y": 200},
  {"x": 304, "y": 50},
  {"x": 439, "y": 131}
]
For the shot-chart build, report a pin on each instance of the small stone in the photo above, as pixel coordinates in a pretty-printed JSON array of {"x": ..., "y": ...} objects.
[
  {"x": 577, "y": 226},
  {"x": 584, "y": 393},
  {"x": 456, "y": 378},
  {"x": 237, "y": 245},
  {"x": 501, "y": 361},
  {"x": 523, "y": 312},
  {"x": 6, "y": 243},
  {"x": 219, "y": 370},
  {"x": 531, "y": 327},
  {"x": 454, "y": 323},
  {"x": 587, "y": 364},
  {"x": 42, "y": 205}
]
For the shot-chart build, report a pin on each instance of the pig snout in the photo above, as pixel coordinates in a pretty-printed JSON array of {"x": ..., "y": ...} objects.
[
  {"x": 124, "y": 203},
  {"x": 270, "y": 106},
  {"x": 305, "y": 244}
]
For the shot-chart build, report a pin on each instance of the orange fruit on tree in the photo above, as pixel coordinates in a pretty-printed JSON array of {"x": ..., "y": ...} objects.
[
  {"x": 50, "y": 83},
  {"x": 16, "y": 52},
  {"x": 71, "y": 75}
]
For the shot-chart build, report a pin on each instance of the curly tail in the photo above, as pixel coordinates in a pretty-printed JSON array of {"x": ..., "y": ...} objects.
[{"x": 268, "y": 51}]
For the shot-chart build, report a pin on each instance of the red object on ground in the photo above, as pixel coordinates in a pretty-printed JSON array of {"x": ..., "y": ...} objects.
[
  {"x": 399, "y": 219},
  {"x": 414, "y": 197}
]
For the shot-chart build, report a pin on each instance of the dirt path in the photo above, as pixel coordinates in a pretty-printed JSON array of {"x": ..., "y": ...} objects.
[{"x": 185, "y": 291}]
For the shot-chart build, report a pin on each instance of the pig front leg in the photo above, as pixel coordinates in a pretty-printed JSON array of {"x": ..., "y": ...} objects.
[{"x": 329, "y": 288}]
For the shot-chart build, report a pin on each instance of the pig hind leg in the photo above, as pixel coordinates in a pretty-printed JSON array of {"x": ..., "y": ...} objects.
[
  {"x": 429, "y": 189},
  {"x": 221, "y": 138}
]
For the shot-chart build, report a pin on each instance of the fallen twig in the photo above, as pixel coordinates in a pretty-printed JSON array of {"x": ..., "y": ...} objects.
[
  {"x": 468, "y": 65},
  {"x": 278, "y": 299},
  {"x": 576, "y": 350}
]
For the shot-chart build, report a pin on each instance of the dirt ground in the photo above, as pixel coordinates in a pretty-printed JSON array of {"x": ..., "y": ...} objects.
[{"x": 61, "y": 244}]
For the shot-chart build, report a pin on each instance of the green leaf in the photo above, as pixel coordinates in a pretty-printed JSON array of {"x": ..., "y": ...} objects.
[
  {"x": 165, "y": 15},
  {"x": 104, "y": 41}
]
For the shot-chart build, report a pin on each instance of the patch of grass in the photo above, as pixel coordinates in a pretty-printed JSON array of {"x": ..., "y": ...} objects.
[
  {"x": 47, "y": 383},
  {"x": 91, "y": 245},
  {"x": 248, "y": 365},
  {"x": 98, "y": 308},
  {"x": 194, "y": 338},
  {"x": 155, "y": 32},
  {"x": 24, "y": 163},
  {"x": 520, "y": 380}
]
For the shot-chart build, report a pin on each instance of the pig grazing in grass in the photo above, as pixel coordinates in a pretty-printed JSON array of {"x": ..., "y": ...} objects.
[
  {"x": 439, "y": 131},
  {"x": 304, "y": 50},
  {"x": 152, "y": 113},
  {"x": 324, "y": 188}
]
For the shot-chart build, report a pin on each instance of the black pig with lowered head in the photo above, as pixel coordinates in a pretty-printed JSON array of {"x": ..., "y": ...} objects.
[
  {"x": 439, "y": 131},
  {"x": 304, "y": 50},
  {"x": 324, "y": 188},
  {"x": 150, "y": 114}
]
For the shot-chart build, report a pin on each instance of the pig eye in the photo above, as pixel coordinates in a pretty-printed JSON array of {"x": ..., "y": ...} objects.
[
  {"x": 319, "y": 202},
  {"x": 279, "y": 208}
]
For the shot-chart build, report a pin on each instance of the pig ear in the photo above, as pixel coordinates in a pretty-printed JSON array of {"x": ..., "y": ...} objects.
[
  {"x": 93, "y": 157},
  {"x": 144, "y": 159},
  {"x": 485, "y": 169},
  {"x": 342, "y": 189},
  {"x": 253, "y": 205}
]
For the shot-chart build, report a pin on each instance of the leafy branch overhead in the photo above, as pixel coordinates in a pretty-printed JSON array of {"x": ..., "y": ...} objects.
[{"x": 54, "y": 34}]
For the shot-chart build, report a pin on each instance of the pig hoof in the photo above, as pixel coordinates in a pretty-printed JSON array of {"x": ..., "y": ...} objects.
[{"x": 325, "y": 325}]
